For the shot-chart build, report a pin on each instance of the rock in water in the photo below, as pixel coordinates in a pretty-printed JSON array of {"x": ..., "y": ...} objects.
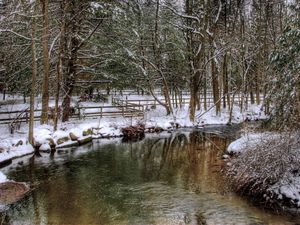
[
  {"x": 73, "y": 136},
  {"x": 85, "y": 139},
  {"x": 62, "y": 140},
  {"x": 11, "y": 192}
]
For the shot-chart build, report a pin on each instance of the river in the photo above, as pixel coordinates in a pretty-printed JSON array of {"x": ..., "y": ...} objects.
[{"x": 171, "y": 178}]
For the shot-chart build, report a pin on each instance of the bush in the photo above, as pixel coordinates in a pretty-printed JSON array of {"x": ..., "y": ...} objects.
[{"x": 267, "y": 161}]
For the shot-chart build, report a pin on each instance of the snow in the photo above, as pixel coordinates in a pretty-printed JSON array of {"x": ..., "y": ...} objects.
[
  {"x": 68, "y": 144},
  {"x": 42, "y": 134},
  {"x": 60, "y": 134},
  {"x": 14, "y": 152},
  {"x": 3, "y": 178},
  {"x": 154, "y": 116},
  {"x": 45, "y": 147},
  {"x": 249, "y": 140},
  {"x": 287, "y": 188},
  {"x": 76, "y": 131},
  {"x": 95, "y": 5}
]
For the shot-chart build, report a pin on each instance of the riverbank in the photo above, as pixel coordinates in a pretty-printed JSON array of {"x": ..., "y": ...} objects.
[
  {"x": 77, "y": 132},
  {"x": 266, "y": 167},
  {"x": 166, "y": 178}
]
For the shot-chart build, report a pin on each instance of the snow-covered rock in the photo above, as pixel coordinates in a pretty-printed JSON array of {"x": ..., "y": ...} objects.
[
  {"x": 3, "y": 177},
  {"x": 85, "y": 139},
  {"x": 45, "y": 147},
  {"x": 68, "y": 144},
  {"x": 42, "y": 134}
]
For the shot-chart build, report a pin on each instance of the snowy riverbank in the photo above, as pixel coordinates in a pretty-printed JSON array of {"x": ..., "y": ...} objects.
[
  {"x": 267, "y": 166},
  {"x": 70, "y": 133}
]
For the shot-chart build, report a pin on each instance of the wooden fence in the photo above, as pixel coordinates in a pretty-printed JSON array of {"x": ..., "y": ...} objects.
[
  {"x": 141, "y": 104},
  {"x": 14, "y": 119},
  {"x": 120, "y": 107}
]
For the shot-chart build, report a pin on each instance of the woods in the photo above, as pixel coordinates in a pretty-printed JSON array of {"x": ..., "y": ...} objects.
[
  {"x": 219, "y": 47},
  {"x": 204, "y": 93}
]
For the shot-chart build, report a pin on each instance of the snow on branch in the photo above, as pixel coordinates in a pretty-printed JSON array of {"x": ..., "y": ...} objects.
[
  {"x": 219, "y": 12},
  {"x": 182, "y": 15},
  {"x": 17, "y": 34}
]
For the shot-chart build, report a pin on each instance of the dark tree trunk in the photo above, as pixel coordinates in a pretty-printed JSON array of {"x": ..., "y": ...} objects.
[{"x": 70, "y": 78}]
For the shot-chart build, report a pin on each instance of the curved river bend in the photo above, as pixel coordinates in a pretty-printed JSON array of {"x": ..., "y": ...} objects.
[{"x": 163, "y": 179}]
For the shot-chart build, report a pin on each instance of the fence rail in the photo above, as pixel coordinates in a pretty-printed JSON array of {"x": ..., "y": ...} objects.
[
  {"x": 209, "y": 100},
  {"x": 120, "y": 107},
  {"x": 15, "y": 118}
]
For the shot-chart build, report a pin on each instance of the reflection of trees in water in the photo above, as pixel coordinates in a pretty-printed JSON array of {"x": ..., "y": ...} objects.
[
  {"x": 4, "y": 218},
  {"x": 184, "y": 159},
  {"x": 191, "y": 156}
]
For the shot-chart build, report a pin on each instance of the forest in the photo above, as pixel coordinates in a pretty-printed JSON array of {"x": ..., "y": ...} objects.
[
  {"x": 223, "y": 47},
  {"x": 189, "y": 63}
]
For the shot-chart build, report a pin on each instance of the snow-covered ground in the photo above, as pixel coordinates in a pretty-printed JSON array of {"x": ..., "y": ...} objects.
[
  {"x": 250, "y": 140},
  {"x": 288, "y": 188},
  {"x": 3, "y": 178},
  {"x": 16, "y": 145},
  {"x": 280, "y": 162}
]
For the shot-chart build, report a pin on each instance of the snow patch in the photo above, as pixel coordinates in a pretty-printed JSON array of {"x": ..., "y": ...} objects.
[
  {"x": 3, "y": 178},
  {"x": 45, "y": 147},
  {"x": 248, "y": 141},
  {"x": 15, "y": 152}
]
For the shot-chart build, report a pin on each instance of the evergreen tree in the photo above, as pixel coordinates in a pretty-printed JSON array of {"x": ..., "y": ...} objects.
[{"x": 285, "y": 94}]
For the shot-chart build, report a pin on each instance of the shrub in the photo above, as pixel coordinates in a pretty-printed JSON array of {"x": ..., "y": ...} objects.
[{"x": 267, "y": 161}]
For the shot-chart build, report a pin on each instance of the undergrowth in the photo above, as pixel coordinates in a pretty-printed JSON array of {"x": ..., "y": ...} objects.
[{"x": 271, "y": 159}]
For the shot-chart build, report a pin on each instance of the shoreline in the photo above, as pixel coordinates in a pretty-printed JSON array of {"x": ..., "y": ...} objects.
[
  {"x": 271, "y": 180},
  {"x": 61, "y": 139}
]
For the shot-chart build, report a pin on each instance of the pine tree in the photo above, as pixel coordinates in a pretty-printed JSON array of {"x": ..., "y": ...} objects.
[{"x": 285, "y": 59}]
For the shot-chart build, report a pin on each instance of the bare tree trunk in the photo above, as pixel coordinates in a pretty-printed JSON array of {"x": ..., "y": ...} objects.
[
  {"x": 60, "y": 58},
  {"x": 70, "y": 76},
  {"x": 33, "y": 78},
  {"x": 231, "y": 108},
  {"x": 45, "y": 40},
  {"x": 225, "y": 83},
  {"x": 215, "y": 84},
  {"x": 70, "y": 81},
  {"x": 195, "y": 64},
  {"x": 195, "y": 81},
  {"x": 204, "y": 92},
  {"x": 157, "y": 55},
  {"x": 257, "y": 88}
]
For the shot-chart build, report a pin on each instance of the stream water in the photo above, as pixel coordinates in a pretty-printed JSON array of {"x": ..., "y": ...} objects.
[{"x": 163, "y": 179}]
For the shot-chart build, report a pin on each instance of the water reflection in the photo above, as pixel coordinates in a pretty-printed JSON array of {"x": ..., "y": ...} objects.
[{"x": 164, "y": 179}]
